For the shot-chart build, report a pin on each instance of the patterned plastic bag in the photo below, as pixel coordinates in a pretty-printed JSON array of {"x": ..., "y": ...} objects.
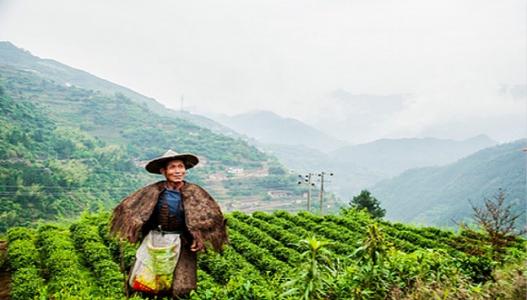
[{"x": 155, "y": 262}]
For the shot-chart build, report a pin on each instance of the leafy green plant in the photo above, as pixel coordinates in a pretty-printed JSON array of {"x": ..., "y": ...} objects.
[
  {"x": 263, "y": 240},
  {"x": 67, "y": 277},
  {"x": 23, "y": 257},
  {"x": 313, "y": 278},
  {"x": 99, "y": 259}
]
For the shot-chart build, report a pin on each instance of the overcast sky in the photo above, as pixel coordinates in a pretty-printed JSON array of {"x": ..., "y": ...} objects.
[{"x": 360, "y": 69}]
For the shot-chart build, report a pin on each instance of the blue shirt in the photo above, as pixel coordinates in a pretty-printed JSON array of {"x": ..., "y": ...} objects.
[{"x": 175, "y": 207}]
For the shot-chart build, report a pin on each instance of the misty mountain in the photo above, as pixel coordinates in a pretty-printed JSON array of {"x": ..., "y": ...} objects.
[
  {"x": 362, "y": 166},
  {"x": 269, "y": 128},
  {"x": 438, "y": 195},
  {"x": 205, "y": 122},
  {"x": 393, "y": 156}
]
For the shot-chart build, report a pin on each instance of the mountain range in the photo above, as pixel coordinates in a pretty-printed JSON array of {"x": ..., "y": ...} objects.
[
  {"x": 361, "y": 166},
  {"x": 305, "y": 149},
  {"x": 393, "y": 156},
  {"x": 442, "y": 195}
]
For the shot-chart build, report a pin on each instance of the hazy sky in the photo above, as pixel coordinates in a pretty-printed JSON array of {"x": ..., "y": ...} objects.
[{"x": 360, "y": 69}]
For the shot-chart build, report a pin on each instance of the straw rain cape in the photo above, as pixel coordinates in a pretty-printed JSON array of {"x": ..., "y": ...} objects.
[
  {"x": 204, "y": 223},
  {"x": 203, "y": 217}
]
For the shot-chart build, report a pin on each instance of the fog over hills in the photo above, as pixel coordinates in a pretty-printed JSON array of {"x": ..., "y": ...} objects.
[
  {"x": 269, "y": 128},
  {"x": 305, "y": 149},
  {"x": 439, "y": 195},
  {"x": 393, "y": 156},
  {"x": 362, "y": 166}
]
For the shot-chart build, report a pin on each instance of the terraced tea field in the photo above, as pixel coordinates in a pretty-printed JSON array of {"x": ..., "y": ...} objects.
[{"x": 80, "y": 261}]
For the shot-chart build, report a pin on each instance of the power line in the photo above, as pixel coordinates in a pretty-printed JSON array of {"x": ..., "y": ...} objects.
[
  {"x": 130, "y": 190},
  {"x": 118, "y": 188}
]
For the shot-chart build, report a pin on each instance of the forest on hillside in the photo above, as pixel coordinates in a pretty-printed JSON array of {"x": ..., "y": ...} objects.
[{"x": 64, "y": 150}]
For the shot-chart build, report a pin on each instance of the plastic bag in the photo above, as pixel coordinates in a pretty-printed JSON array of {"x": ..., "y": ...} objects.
[{"x": 155, "y": 262}]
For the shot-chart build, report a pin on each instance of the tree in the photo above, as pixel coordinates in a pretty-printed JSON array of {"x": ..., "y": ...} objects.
[
  {"x": 498, "y": 220},
  {"x": 276, "y": 170},
  {"x": 366, "y": 201}
]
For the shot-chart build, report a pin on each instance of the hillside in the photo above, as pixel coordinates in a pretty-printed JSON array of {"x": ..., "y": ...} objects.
[
  {"x": 68, "y": 76},
  {"x": 267, "y": 259},
  {"x": 48, "y": 171},
  {"x": 77, "y": 117},
  {"x": 117, "y": 120},
  {"x": 438, "y": 195},
  {"x": 393, "y": 156}
]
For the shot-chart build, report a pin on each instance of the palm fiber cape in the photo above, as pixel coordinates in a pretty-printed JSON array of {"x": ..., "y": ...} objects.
[{"x": 203, "y": 219}]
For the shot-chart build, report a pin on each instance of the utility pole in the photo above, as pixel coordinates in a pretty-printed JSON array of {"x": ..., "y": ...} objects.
[
  {"x": 321, "y": 175},
  {"x": 307, "y": 179},
  {"x": 182, "y": 99},
  {"x": 309, "y": 184}
]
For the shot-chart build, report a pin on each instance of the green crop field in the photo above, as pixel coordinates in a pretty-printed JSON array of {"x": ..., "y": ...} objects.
[{"x": 273, "y": 256}]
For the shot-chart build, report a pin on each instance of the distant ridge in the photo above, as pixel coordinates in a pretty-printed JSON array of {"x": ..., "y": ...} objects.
[
  {"x": 364, "y": 165},
  {"x": 438, "y": 195},
  {"x": 269, "y": 128},
  {"x": 393, "y": 156}
]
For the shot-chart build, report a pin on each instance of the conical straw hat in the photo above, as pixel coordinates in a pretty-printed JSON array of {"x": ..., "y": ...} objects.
[{"x": 155, "y": 165}]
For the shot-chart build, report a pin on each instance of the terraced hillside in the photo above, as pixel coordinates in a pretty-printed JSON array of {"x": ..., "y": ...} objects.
[
  {"x": 273, "y": 256},
  {"x": 64, "y": 149}
]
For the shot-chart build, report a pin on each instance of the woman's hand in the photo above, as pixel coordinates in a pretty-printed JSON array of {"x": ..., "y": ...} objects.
[{"x": 196, "y": 246}]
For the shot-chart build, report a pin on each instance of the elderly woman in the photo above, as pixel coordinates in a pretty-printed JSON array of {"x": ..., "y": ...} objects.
[{"x": 173, "y": 205}]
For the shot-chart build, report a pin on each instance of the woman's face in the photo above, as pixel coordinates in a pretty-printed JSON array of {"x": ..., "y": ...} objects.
[{"x": 174, "y": 171}]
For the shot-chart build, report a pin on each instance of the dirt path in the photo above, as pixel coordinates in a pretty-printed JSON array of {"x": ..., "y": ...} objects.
[{"x": 5, "y": 276}]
